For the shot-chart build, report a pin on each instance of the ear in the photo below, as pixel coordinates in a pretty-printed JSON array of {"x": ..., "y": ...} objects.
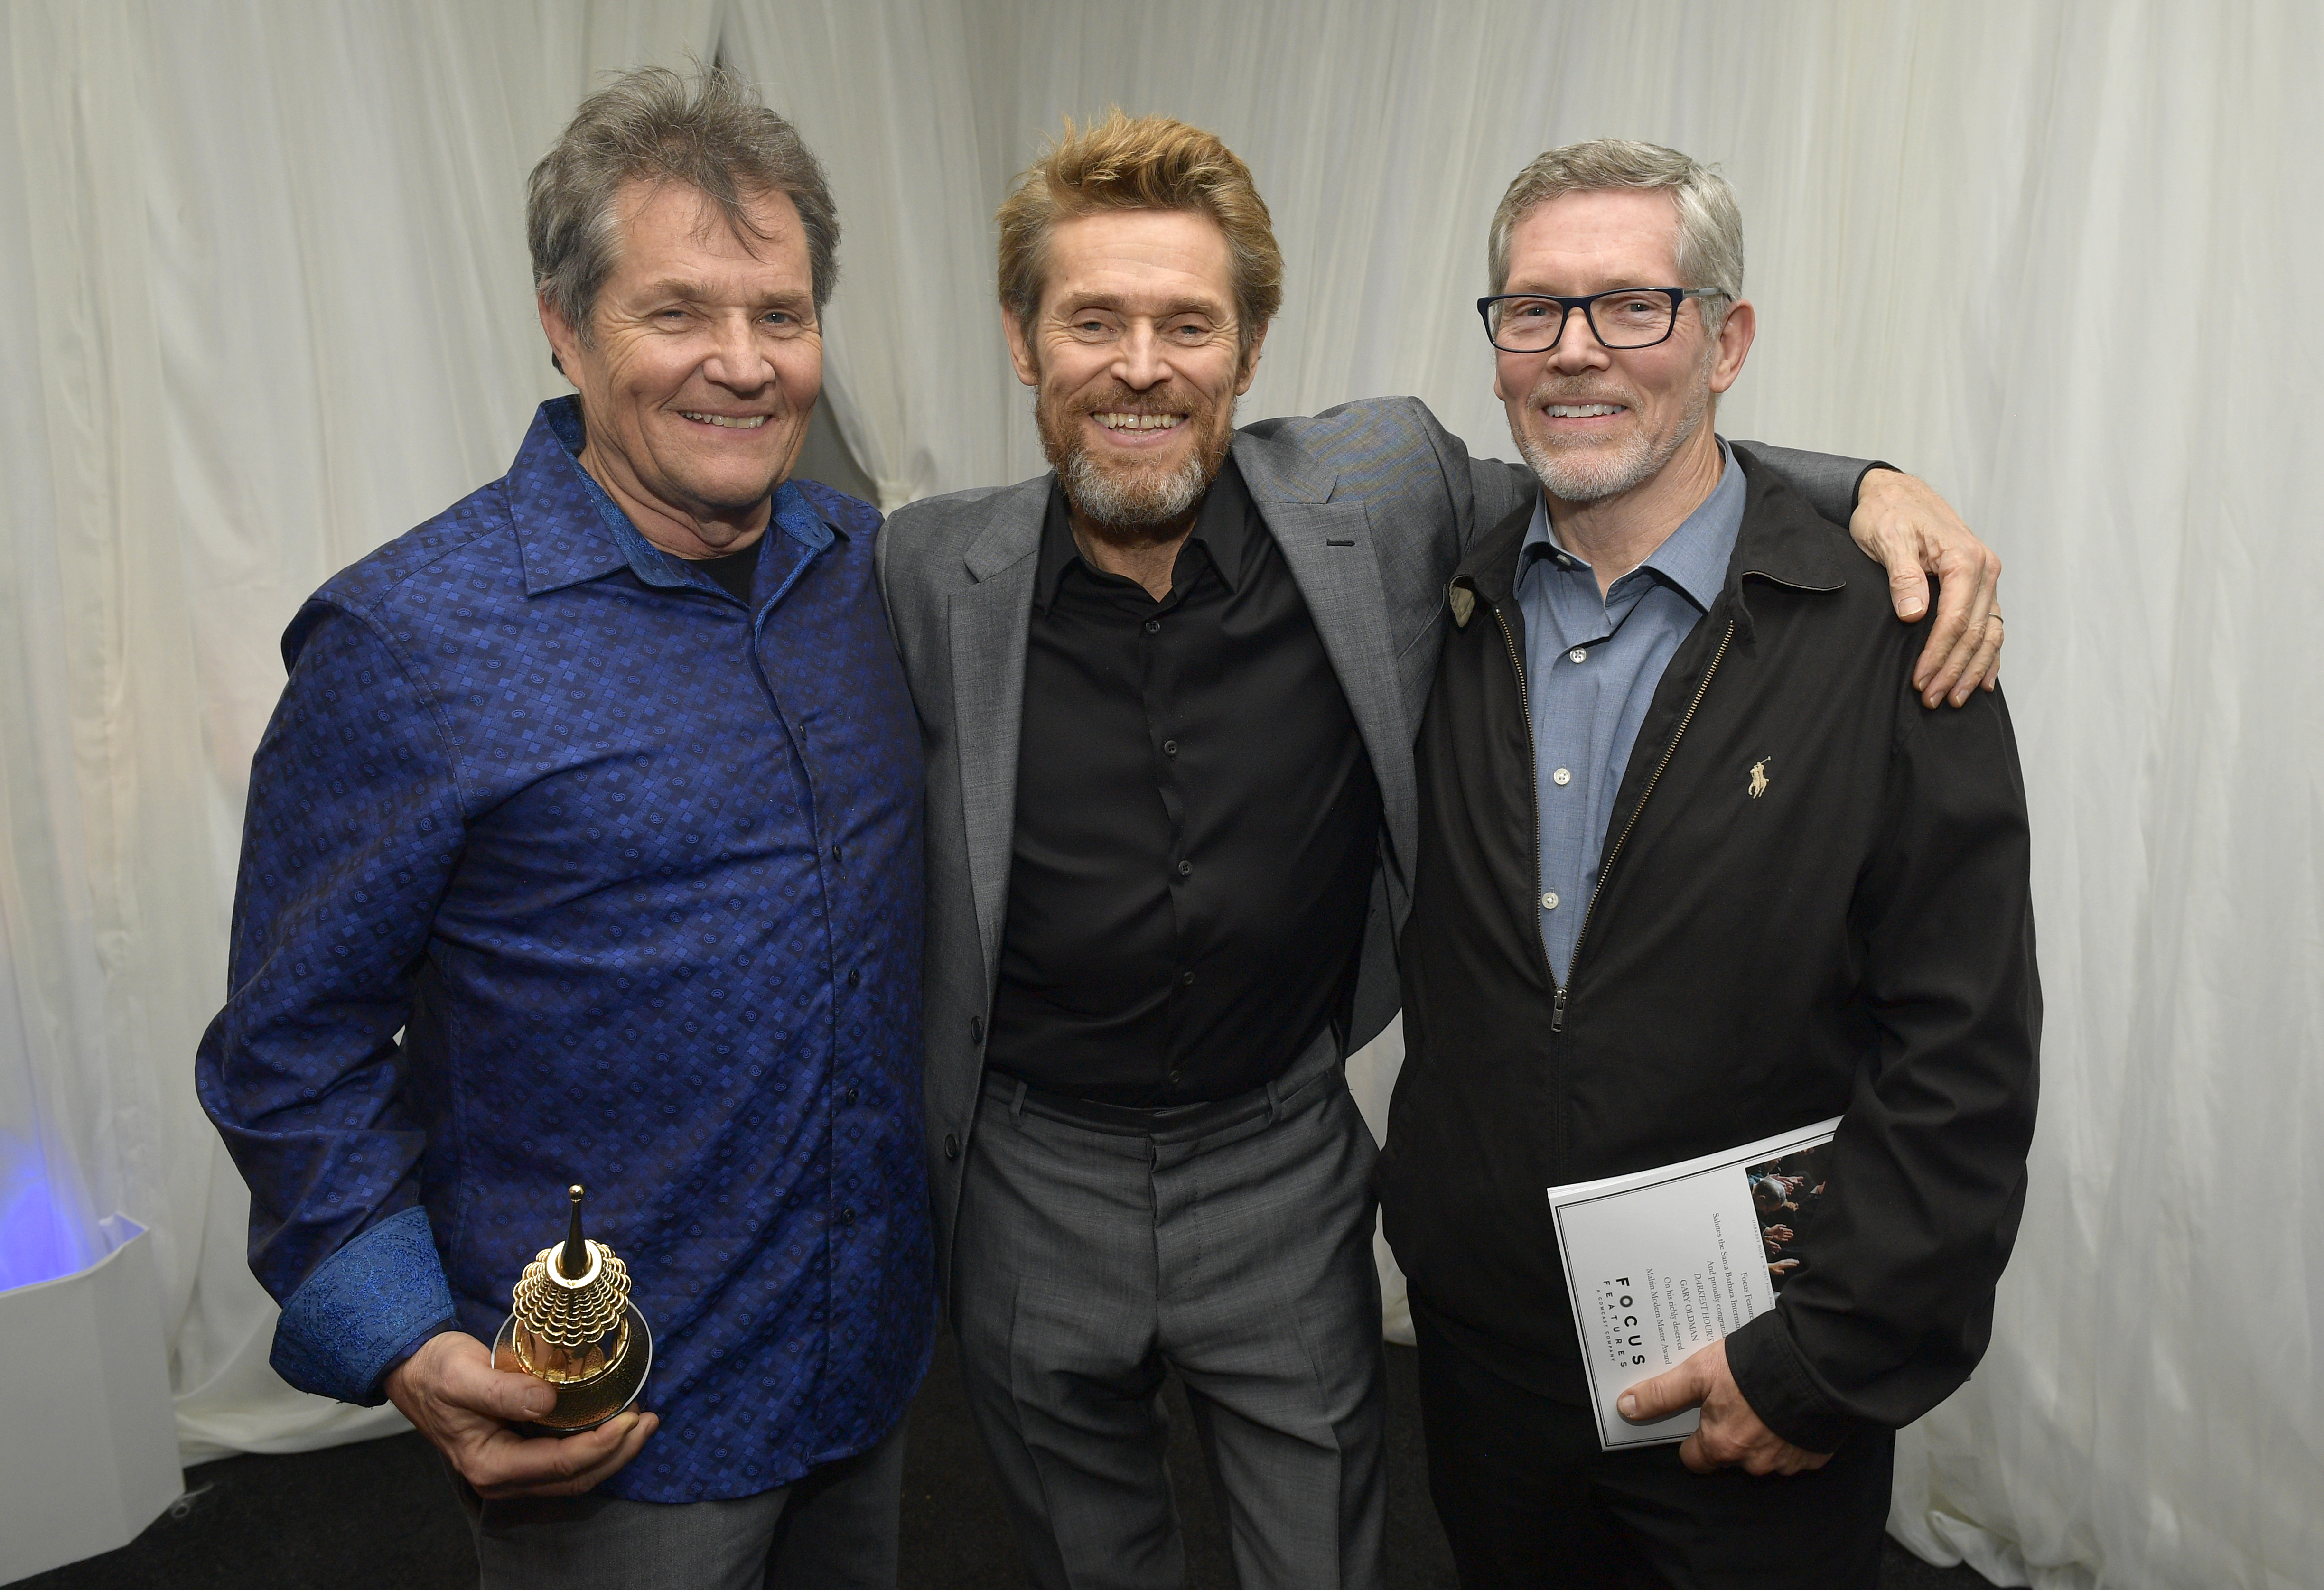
[
  {"x": 564, "y": 343},
  {"x": 1251, "y": 359},
  {"x": 1020, "y": 349},
  {"x": 1735, "y": 336}
]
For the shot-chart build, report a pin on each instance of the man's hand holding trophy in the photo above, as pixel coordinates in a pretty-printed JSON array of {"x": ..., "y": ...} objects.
[{"x": 548, "y": 1409}]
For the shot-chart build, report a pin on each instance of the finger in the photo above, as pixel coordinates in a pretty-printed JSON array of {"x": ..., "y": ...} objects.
[
  {"x": 1985, "y": 665},
  {"x": 497, "y": 1394},
  {"x": 513, "y": 1465},
  {"x": 1908, "y": 587},
  {"x": 1956, "y": 602},
  {"x": 1665, "y": 1394},
  {"x": 1980, "y": 593},
  {"x": 589, "y": 1479}
]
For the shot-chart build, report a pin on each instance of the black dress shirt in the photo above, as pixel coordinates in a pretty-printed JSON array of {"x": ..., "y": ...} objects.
[{"x": 1196, "y": 826}]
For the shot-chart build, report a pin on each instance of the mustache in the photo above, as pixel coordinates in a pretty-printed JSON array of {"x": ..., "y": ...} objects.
[
  {"x": 1153, "y": 400},
  {"x": 1553, "y": 389}
]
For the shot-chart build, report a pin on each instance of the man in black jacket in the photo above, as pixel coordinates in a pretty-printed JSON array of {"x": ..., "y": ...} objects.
[{"x": 1696, "y": 866}]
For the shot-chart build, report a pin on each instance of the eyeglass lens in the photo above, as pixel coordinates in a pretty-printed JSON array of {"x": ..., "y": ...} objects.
[{"x": 1620, "y": 319}]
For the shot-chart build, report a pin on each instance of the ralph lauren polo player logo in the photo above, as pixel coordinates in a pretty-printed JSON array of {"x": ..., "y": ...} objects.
[{"x": 1759, "y": 776}]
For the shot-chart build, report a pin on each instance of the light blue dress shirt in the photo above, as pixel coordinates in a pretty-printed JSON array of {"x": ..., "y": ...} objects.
[{"x": 1592, "y": 667}]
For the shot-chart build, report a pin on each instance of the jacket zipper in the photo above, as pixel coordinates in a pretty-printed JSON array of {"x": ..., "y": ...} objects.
[
  {"x": 1605, "y": 866},
  {"x": 1533, "y": 783}
]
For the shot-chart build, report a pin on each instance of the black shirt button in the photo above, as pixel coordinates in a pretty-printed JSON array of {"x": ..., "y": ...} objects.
[
  {"x": 851, "y": 1096},
  {"x": 854, "y": 979},
  {"x": 1186, "y": 868},
  {"x": 1154, "y": 626},
  {"x": 976, "y": 1029},
  {"x": 1185, "y": 979},
  {"x": 839, "y": 852},
  {"x": 1173, "y": 1076},
  {"x": 847, "y": 1216},
  {"x": 952, "y": 1146},
  {"x": 1169, "y": 747}
]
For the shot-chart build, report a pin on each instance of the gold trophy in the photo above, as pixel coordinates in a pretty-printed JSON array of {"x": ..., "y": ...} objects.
[{"x": 575, "y": 1326}]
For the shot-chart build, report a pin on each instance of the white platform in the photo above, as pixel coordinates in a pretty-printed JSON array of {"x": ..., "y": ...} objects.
[{"x": 90, "y": 1456}]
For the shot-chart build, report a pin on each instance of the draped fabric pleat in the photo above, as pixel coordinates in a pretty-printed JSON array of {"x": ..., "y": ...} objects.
[{"x": 266, "y": 304}]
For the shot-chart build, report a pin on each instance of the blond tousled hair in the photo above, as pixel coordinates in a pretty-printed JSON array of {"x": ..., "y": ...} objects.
[{"x": 1140, "y": 163}]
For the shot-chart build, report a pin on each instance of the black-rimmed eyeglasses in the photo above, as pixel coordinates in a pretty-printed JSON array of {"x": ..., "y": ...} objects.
[{"x": 1626, "y": 317}]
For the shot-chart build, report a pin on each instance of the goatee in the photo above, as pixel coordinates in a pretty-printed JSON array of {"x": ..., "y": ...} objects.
[
  {"x": 1132, "y": 500},
  {"x": 1594, "y": 473}
]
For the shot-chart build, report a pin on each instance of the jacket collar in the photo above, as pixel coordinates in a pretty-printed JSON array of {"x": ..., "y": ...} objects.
[
  {"x": 1783, "y": 539},
  {"x": 569, "y": 530}
]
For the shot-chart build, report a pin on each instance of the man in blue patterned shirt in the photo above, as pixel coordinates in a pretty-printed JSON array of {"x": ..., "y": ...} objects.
[{"x": 585, "y": 846}]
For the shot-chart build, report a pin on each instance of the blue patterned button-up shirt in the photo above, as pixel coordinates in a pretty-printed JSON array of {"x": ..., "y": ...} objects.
[{"x": 563, "y": 865}]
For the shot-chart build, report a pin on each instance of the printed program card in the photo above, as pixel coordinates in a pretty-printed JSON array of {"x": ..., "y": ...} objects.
[{"x": 1662, "y": 1262}]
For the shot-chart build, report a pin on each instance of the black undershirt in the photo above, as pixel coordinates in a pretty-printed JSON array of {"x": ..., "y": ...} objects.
[
  {"x": 733, "y": 570},
  {"x": 1197, "y": 824}
]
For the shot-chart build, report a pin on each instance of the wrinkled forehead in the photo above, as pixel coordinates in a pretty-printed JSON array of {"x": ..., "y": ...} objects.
[
  {"x": 662, "y": 215},
  {"x": 1149, "y": 260}
]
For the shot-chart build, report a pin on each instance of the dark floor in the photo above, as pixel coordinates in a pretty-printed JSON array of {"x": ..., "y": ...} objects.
[{"x": 379, "y": 1515}]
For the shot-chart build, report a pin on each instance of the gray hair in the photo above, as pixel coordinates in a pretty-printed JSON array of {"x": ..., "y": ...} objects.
[
  {"x": 1709, "y": 223},
  {"x": 711, "y": 135}
]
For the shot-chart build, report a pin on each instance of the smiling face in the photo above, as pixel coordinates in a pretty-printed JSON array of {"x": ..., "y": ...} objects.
[
  {"x": 1596, "y": 423},
  {"x": 1135, "y": 358},
  {"x": 704, "y": 365}
]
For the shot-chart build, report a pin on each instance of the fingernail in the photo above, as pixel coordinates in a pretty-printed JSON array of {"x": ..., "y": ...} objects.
[
  {"x": 540, "y": 1401},
  {"x": 1629, "y": 1404},
  {"x": 1913, "y": 608}
]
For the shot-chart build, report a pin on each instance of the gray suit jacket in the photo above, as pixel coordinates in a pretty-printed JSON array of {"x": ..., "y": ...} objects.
[{"x": 1371, "y": 503}]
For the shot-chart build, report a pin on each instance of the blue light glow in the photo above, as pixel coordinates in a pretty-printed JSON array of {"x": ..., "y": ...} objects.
[{"x": 43, "y": 1236}]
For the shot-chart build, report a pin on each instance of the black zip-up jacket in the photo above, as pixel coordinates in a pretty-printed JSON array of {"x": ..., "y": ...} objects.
[{"x": 1855, "y": 939}]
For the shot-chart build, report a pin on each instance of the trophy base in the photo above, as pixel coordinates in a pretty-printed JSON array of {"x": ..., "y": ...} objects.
[{"x": 585, "y": 1404}]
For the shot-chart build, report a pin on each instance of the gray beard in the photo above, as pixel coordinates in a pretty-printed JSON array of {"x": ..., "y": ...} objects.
[
  {"x": 1134, "y": 500},
  {"x": 1594, "y": 475}
]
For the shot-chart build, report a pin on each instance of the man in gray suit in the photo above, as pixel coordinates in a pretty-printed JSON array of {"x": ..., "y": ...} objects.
[{"x": 1169, "y": 695}]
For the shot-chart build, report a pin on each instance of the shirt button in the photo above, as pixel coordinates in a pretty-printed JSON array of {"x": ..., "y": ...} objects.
[
  {"x": 1563, "y": 776},
  {"x": 847, "y": 1216},
  {"x": 1173, "y": 1075},
  {"x": 1185, "y": 979},
  {"x": 952, "y": 1146},
  {"x": 976, "y": 1029},
  {"x": 851, "y": 1096},
  {"x": 1186, "y": 868},
  {"x": 1580, "y": 654},
  {"x": 855, "y": 979},
  {"x": 1169, "y": 747},
  {"x": 1549, "y": 900},
  {"x": 1154, "y": 626}
]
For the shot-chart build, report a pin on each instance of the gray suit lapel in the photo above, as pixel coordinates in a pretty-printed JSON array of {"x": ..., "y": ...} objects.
[
  {"x": 989, "y": 620},
  {"x": 1329, "y": 546}
]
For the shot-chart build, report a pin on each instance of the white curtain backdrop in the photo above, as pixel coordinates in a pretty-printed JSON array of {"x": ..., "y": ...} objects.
[{"x": 265, "y": 306}]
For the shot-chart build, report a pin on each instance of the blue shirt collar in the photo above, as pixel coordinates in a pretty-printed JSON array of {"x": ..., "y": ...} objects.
[
  {"x": 576, "y": 555},
  {"x": 1693, "y": 560}
]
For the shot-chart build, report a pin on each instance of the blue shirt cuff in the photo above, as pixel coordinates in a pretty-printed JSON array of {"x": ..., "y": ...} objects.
[{"x": 364, "y": 1309}]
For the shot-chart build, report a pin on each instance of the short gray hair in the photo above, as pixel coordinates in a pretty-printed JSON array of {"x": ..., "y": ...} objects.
[
  {"x": 1709, "y": 223},
  {"x": 711, "y": 135}
]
